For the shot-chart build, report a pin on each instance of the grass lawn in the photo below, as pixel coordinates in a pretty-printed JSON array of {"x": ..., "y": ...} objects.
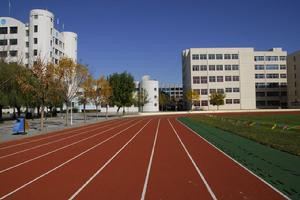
[{"x": 279, "y": 168}]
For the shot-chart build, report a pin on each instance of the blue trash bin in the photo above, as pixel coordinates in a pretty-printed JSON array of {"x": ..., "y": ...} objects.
[{"x": 19, "y": 126}]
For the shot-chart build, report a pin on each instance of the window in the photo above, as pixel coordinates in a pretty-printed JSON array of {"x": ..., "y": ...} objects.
[
  {"x": 259, "y": 76},
  {"x": 3, "y": 54},
  {"x": 13, "y": 29},
  {"x": 155, "y": 89},
  {"x": 27, "y": 44},
  {"x": 35, "y": 52},
  {"x": 211, "y": 56},
  {"x": 212, "y": 79},
  {"x": 282, "y": 66},
  {"x": 235, "y": 67},
  {"x": 194, "y": 56},
  {"x": 219, "y": 78},
  {"x": 228, "y": 101},
  {"x": 27, "y": 32},
  {"x": 195, "y": 67},
  {"x": 272, "y": 67},
  {"x": 235, "y": 78},
  {"x": 259, "y": 67},
  {"x": 219, "y": 67},
  {"x": 260, "y": 94},
  {"x": 203, "y": 91},
  {"x": 56, "y": 42},
  {"x": 13, "y": 41},
  {"x": 219, "y": 56},
  {"x": 272, "y": 76},
  {"x": 272, "y": 85},
  {"x": 260, "y": 103},
  {"x": 235, "y": 56},
  {"x": 196, "y": 79},
  {"x": 227, "y": 67},
  {"x": 203, "y": 79},
  {"x": 35, "y": 40},
  {"x": 283, "y": 94},
  {"x": 271, "y": 58},
  {"x": 272, "y": 94},
  {"x": 212, "y": 67},
  {"x": 35, "y": 16},
  {"x": 13, "y": 53},
  {"x": 227, "y": 78},
  {"x": 260, "y": 85},
  {"x": 27, "y": 55},
  {"x": 220, "y": 91},
  {"x": 196, "y": 103},
  {"x": 3, "y": 30},
  {"x": 203, "y": 56},
  {"x": 282, "y": 58},
  {"x": 3, "y": 42},
  {"x": 228, "y": 90},
  {"x": 282, "y": 75},
  {"x": 35, "y": 28},
  {"x": 203, "y": 68},
  {"x": 204, "y": 103},
  {"x": 236, "y": 101},
  {"x": 212, "y": 91},
  {"x": 197, "y": 91},
  {"x": 236, "y": 89},
  {"x": 227, "y": 56},
  {"x": 259, "y": 58}
]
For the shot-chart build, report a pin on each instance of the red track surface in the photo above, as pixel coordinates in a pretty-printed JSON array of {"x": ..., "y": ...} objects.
[{"x": 138, "y": 158}]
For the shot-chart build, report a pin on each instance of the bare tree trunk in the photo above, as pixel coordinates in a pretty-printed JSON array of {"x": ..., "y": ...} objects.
[
  {"x": 84, "y": 113},
  {"x": 42, "y": 117},
  {"x": 67, "y": 114},
  {"x": 97, "y": 111},
  {"x": 106, "y": 114}
]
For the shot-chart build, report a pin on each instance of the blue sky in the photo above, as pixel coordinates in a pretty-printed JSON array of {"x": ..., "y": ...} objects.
[{"x": 147, "y": 37}]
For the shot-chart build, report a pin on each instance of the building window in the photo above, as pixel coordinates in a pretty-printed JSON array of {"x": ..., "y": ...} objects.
[
  {"x": 227, "y": 78},
  {"x": 35, "y": 28},
  {"x": 13, "y": 29},
  {"x": 228, "y": 101},
  {"x": 13, "y": 41},
  {"x": 219, "y": 56},
  {"x": 197, "y": 91},
  {"x": 35, "y": 52},
  {"x": 194, "y": 56},
  {"x": 227, "y": 56},
  {"x": 3, "y": 54},
  {"x": 220, "y": 91},
  {"x": 228, "y": 90},
  {"x": 235, "y": 78},
  {"x": 195, "y": 67},
  {"x": 56, "y": 41},
  {"x": 271, "y": 58},
  {"x": 27, "y": 32},
  {"x": 260, "y": 85},
  {"x": 259, "y": 76},
  {"x": 27, "y": 44},
  {"x": 3, "y": 42},
  {"x": 35, "y": 40},
  {"x": 260, "y": 103},
  {"x": 203, "y": 91},
  {"x": 13, "y": 53},
  {"x": 282, "y": 75},
  {"x": 155, "y": 89},
  {"x": 27, "y": 55},
  {"x": 283, "y": 94},
  {"x": 203, "y": 56},
  {"x": 212, "y": 79},
  {"x": 203, "y": 68},
  {"x": 235, "y": 56},
  {"x": 236, "y": 101},
  {"x": 219, "y": 67},
  {"x": 204, "y": 103},
  {"x": 272, "y": 94},
  {"x": 212, "y": 91},
  {"x": 227, "y": 67},
  {"x": 272, "y": 76},
  {"x": 211, "y": 56},
  {"x": 259, "y": 58},
  {"x": 219, "y": 78},
  {"x": 3, "y": 30},
  {"x": 260, "y": 94},
  {"x": 259, "y": 67},
  {"x": 196, "y": 79},
  {"x": 212, "y": 67},
  {"x": 203, "y": 79},
  {"x": 235, "y": 67},
  {"x": 35, "y": 16},
  {"x": 272, "y": 67},
  {"x": 282, "y": 66},
  {"x": 282, "y": 58},
  {"x": 155, "y": 97},
  {"x": 236, "y": 89}
]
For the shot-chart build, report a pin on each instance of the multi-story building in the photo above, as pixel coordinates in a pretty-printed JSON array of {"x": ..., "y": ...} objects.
[
  {"x": 174, "y": 91},
  {"x": 293, "y": 71},
  {"x": 150, "y": 88},
  {"x": 247, "y": 77},
  {"x": 38, "y": 39}
]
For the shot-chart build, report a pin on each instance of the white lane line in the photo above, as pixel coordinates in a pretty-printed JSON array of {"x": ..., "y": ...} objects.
[
  {"x": 58, "y": 133},
  {"x": 213, "y": 196},
  {"x": 107, "y": 162},
  {"x": 58, "y": 140},
  {"x": 150, "y": 164},
  {"x": 66, "y": 162},
  {"x": 234, "y": 160},
  {"x": 55, "y": 150}
]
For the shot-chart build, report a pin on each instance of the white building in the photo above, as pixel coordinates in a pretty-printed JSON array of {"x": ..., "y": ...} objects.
[
  {"x": 151, "y": 89},
  {"x": 293, "y": 71},
  {"x": 234, "y": 71},
  {"x": 25, "y": 43}
]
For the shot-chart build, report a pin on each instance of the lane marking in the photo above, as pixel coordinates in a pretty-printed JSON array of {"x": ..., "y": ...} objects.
[
  {"x": 48, "y": 153},
  {"x": 57, "y": 133},
  {"x": 150, "y": 164},
  {"x": 107, "y": 163},
  {"x": 194, "y": 163},
  {"x": 58, "y": 140},
  {"x": 66, "y": 162},
  {"x": 268, "y": 184}
]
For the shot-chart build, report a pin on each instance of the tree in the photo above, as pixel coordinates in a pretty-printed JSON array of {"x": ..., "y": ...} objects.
[
  {"x": 122, "y": 89},
  {"x": 141, "y": 98},
  {"x": 86, "y": 94},
  {"x": 192, "y": 96},
  {"x": 106, "y": 93},
  {"x": 163, "y": 100},
  {"x": 217, "y": 99},
  {"x": 70, "y": 76}
]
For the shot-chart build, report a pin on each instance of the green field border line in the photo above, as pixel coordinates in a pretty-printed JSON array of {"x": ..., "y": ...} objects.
[{"x": 261, "y": 179}]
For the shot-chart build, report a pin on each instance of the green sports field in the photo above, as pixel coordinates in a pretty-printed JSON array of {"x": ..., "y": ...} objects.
[{"x": 267, "y": 144}]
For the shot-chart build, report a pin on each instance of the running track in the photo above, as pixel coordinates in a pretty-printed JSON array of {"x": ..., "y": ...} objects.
[{"x": 136, "y": 158}]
